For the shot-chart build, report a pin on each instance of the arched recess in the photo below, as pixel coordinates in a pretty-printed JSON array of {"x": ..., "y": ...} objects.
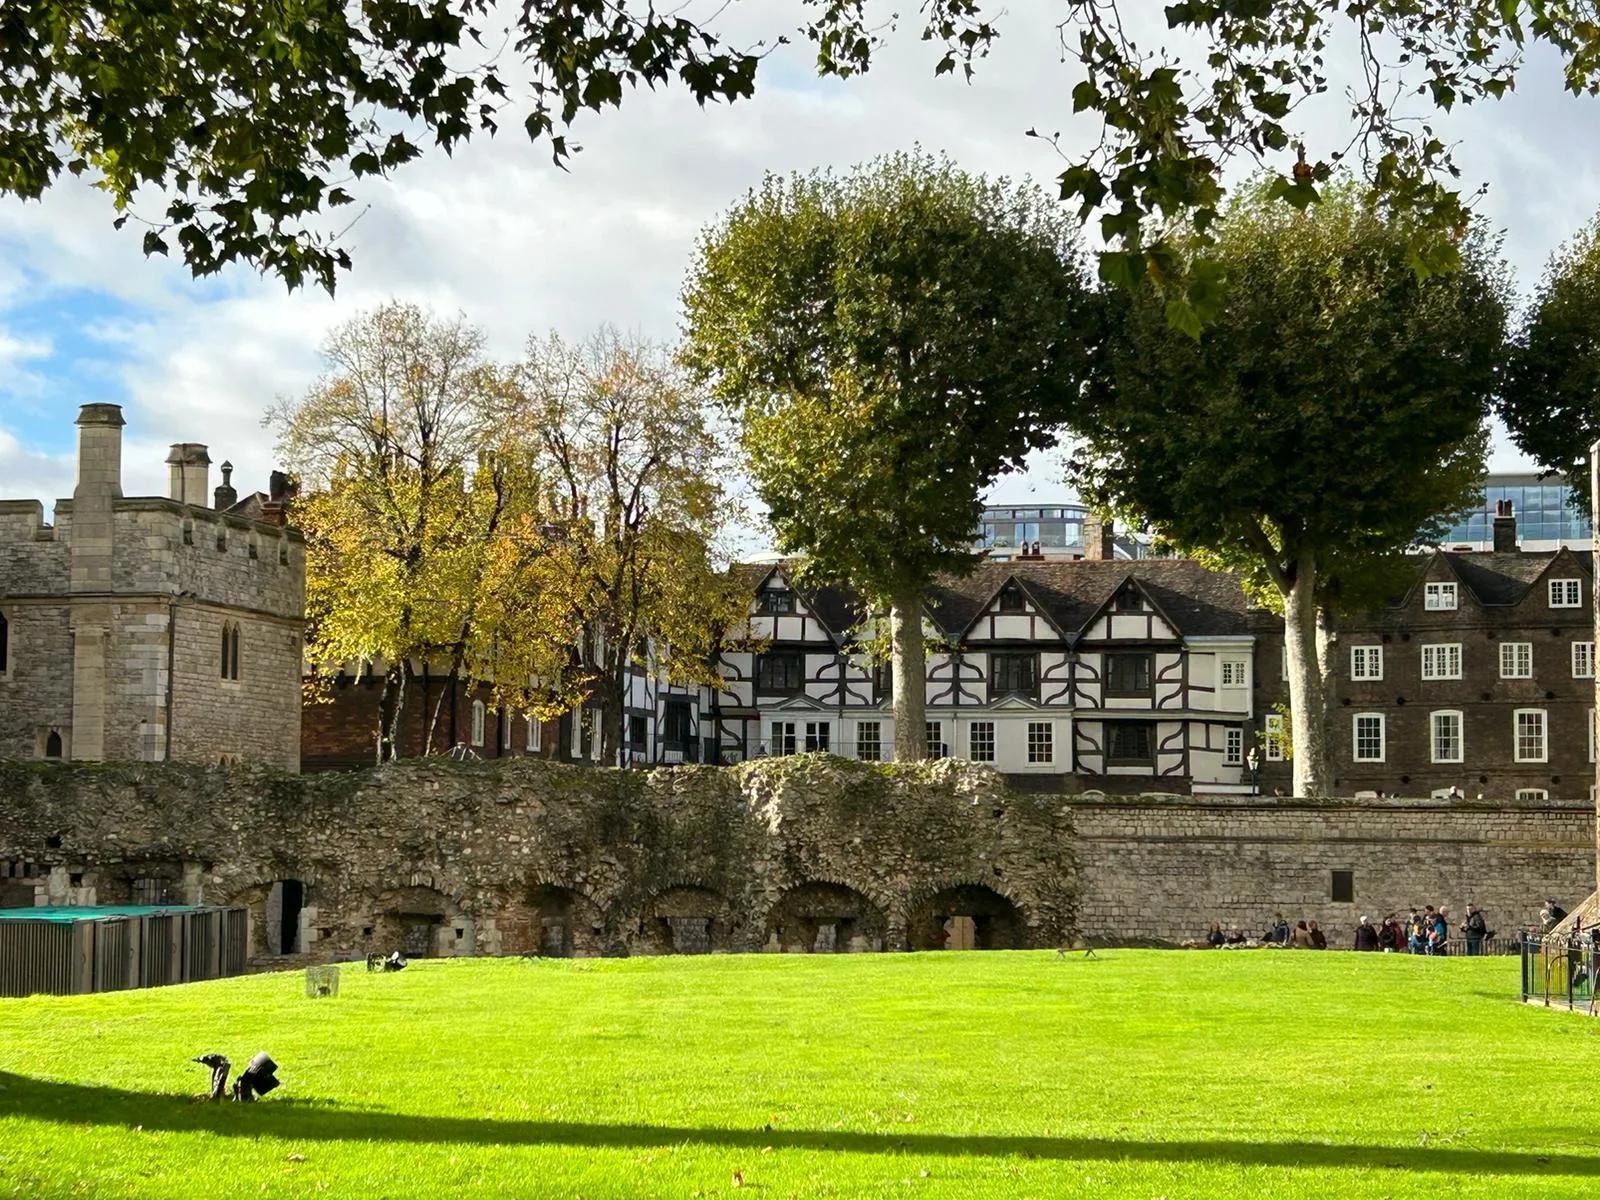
[
  {"x": 968, "y": 916},
  {"x": 552, "y": 921},
  {"x": 686, "y": 920},
  {"x": 825, "y": 918},
  {"x": 419, "y": 922}
]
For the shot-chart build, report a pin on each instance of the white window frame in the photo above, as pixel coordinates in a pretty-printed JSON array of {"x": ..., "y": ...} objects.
[
  {"x": 876, "y": 741},
  {"x": 819, "y": 737},
  {"x": 936, "y": 743},
  {"x": 1439, "y": 597},
  {"x": 1566, "y": 593},
  {"x": 1583, "y": 660},
  {"x": 477, "y": 722},
  {"x": 1043, "y": 752},
  {"x": 782, "y": 734},
  {"x": 973, "y": 730},
  {"x": 1591, "y": 734},
  {"x": 1433, "y": 736},
  {"x": 1355, "y": 737},
  {"x": 1233, "y": 746},
  {"x": 1543, "y": 753},
  {"x": 1445, "y": 660},
  {"x": 531, "y": 739},
  {"x": 1272, "y": 738},
  {"x": 1233, "y": 673},
  {"x": 1516, "y": 660},
  {"x": 1527, "y": 794},
  {"x": 1366, "y": 663}
]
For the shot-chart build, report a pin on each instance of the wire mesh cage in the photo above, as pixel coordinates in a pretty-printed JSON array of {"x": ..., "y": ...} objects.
[{"x": 322, "y": 981}]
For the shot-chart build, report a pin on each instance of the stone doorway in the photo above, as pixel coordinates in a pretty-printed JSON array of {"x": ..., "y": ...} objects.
[
  {"x": 824, "y": 918},
  {"x": 552, "y": 922},
  {"x": 968, "y": 917},
  {"x": 686, "y": 920}
]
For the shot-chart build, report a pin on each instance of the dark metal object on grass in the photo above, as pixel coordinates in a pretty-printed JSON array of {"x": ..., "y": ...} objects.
[{"x": 257, "y": 1079}]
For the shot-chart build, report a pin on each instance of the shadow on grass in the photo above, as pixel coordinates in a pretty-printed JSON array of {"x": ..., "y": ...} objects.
[{"x": 308, "y": 1120}]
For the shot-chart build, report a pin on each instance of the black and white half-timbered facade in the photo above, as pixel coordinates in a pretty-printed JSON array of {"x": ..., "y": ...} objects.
[{"x": 1122, "y": 674}]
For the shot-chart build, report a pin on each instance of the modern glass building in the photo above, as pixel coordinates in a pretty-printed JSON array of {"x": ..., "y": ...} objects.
[
  {"x": 1008, "y": 532},
  {"x": 1546, "y": 516}
]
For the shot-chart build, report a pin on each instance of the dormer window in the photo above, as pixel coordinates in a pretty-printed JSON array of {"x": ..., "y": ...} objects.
[
  {"x": 1439, "y": 596},
  {"x": 776, "y": 602},
  {"x": 1129, "y": 600},
  {"x": 1566, "y": 593},
  {"x": 1011, "y": 600}
]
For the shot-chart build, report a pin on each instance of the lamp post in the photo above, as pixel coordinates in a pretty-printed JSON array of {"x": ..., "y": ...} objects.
[{"x": 1252, "y": 762}]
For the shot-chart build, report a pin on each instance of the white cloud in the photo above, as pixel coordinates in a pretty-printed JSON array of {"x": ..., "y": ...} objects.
[{"x": 500, "y": 234}]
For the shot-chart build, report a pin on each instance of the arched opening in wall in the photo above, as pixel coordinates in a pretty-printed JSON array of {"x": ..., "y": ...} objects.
[
  {"x": 686, "y": 920},
  {"x": 553, "y": 922},
  {"x": 52, "y": 744},
  {"x": 140, "y": 883},
  {"x": 419, "y": 922},
  {"x": 825, "y": 918},
  {"x": 274, "y": 911},
  {"x": 968, "y": 917}
]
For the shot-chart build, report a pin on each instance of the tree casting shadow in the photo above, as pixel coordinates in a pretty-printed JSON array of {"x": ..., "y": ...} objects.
[{"x": 309, "y": 1120}]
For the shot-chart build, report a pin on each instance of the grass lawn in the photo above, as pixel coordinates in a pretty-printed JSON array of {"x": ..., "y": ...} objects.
[{"x": 1142, "y": 1073}]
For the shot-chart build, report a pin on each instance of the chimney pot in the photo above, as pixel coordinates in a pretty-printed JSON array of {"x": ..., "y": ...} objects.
[{"x": 189, "y": 473}]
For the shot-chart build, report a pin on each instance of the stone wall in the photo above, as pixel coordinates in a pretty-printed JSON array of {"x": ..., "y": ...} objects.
[
  {"x": 810, "y": 853},
  {"x": 1161, "y": 868}
]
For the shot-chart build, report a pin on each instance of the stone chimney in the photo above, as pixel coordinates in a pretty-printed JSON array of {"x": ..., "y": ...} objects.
[
  {"x": 93, "y": 548},
  {"x": 1505, "y": 528},
  {"x": 99, "y": 450},
  {"x": 1098, "y": 545},
  {"x": 190, "y": 473},
  {"x": 225, "y": 497}
]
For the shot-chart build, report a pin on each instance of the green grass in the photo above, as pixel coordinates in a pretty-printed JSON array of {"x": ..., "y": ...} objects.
[{"x": 1149, "y": 1074}]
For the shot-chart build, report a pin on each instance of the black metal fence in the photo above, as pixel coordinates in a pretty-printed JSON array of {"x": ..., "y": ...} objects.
[{"x": 1561, "y": 972}]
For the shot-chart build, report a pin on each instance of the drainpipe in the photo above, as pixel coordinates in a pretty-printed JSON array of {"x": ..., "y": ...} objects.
[{"x": 172, "y": 647}]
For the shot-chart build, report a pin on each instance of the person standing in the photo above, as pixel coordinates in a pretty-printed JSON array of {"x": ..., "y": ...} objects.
[
  {"x": 1391, "y": 938},
  {"x": 1366, "y": 936},
  {"x": 1476, "y": 930}
]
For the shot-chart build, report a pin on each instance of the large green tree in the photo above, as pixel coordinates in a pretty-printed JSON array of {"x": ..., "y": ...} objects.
[
  {"x": 1335, "y": 408},
  {"x": 1551, "y": 397},
  {"x": 890, "y": 341}
]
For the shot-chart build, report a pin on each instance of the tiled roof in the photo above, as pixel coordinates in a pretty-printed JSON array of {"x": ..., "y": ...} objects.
[{"x": 1498, "y": 578}]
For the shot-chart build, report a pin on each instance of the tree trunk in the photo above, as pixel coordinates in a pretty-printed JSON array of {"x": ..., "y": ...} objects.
[
  {"x": 1307, "y": 700},
  {"x": 391, "y": 709},
  {"x": 1327, "y": 661},
  {"x": 910, "y": 673}
]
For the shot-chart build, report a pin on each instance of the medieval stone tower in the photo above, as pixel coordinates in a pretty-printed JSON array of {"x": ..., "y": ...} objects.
[{"x": 148, "y": 627}]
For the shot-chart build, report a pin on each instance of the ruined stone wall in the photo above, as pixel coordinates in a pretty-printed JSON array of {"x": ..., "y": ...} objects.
[
  {"x": 1161, "y": 868},
  {"x": 810, "y": 853}
]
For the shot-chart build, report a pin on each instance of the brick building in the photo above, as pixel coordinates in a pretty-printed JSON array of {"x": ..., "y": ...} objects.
[
  {"x": 148, "y": 627},
  {"x": 1481, "y": 677}
]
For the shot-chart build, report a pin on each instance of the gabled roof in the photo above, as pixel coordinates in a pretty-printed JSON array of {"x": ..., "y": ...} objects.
[
  {"x": 1022, "y": 586},
  {"x": 1499, "y": 578}
]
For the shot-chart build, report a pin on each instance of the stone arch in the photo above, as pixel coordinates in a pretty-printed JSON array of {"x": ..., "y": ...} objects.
[
  {"x": 419, "y": 922},
  {"x": 967, "y": 916},
  {"x": 685, "y": 919},
  {"x": 553, "y": 921},
  {"x": 823, "y": 917}
]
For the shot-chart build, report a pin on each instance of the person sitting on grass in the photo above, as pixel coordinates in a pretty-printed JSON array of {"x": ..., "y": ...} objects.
[
  {"x": 1416, "y": 932},
  {"x": 1278, "y": 932},
  {"x": 1391, "y": 938},
  {"x": 1366, "y": 936},
  {"x": 1236, "y": 936},
  {"x": 1214, "y": 935},
  {"x": 1319, "y": 940},
  {"x": 1302, "y": 937},
  {"x": 1439, "y": 932}
]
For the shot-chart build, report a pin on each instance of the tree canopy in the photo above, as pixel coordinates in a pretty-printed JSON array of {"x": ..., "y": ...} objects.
[
  {"x": 890, "y": 341},
  {"x": 1551, "y": 397},
  {"x": 1335, "y": 409}
]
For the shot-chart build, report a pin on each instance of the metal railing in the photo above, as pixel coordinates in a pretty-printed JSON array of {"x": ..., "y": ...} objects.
[{"x": 1561, "y": 972}]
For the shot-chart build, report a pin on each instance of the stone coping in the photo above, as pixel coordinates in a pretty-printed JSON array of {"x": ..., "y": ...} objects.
[{"x": 1330, "y": 803}]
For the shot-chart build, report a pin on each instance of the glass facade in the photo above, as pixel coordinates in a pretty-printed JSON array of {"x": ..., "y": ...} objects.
[
  {"x": 1543, "y": 509},
  {"x": 1006, "y": 528}
]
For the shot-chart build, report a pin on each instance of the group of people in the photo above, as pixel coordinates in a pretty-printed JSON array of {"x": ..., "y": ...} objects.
[{"x": 1424, "y": 931}]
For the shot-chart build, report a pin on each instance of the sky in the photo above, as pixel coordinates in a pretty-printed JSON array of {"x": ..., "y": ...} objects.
[{"x": 518, "y": 246}]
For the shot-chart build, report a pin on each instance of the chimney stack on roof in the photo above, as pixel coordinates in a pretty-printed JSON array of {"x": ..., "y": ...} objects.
[
  {"x": 1505, "y": 528},
  {"x": 1098, "y": 545},
  {"x": 189, "y": 468},
  {"x": 225, "y": 495}
]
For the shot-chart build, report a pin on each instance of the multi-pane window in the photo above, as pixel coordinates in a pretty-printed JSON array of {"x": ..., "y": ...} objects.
[
  {"x": 816, "y": 737},
  {"x": 1516, "y": 660},
  {"x": 775, "y": 601},
  {"x": 1014, "y": 673},
  {"x": 477, "y": 722},
  {"x": 1590, "y": 723},
  {"x": 1130, "y": 743},
  {"x": 980, "y": 741},
  {"x": 1041, "y": 742},
  {"x": 638, "y": 732},
  {"x": 1011, "y": 600},
  {"x": 1583, "y": 660},
  {"x": 869, "y": 741},
  {"x": 1366, "y": 662},
  {"x": 1127, "y": 675},
  {"x": 1273, "y": 737},
  {"x": 1445, "y": 736},
  {"x": 935, "y": 734},
  {"x": 780, "y": 672},
  {"x": 1368, "y": 737},
  {"x": 1129, "y": 600},
  {"x": 1442, "y": 661},
  {"x": 1528, "y": 732},
  {"x": 1439, "y": 596},
  {"x": 531, "y": 745},
  {"x": 784, "y": 738},
  {"x": 1566, "y": 593},
  {"x": 1532, "y": 794},
  {"x": 1233, "y": 747},
  {"x": 1233, "y": 673}
]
